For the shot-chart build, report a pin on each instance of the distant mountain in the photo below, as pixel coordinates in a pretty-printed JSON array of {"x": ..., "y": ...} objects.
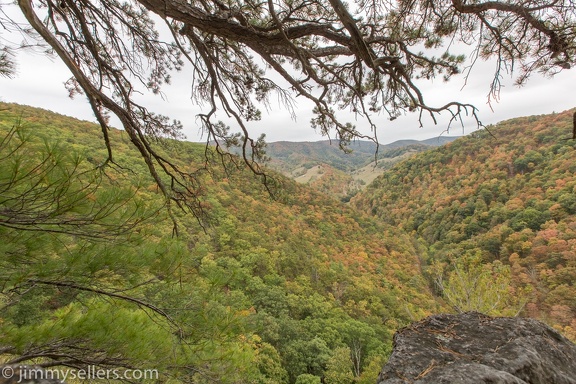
[{"x": 325, "y": 166}]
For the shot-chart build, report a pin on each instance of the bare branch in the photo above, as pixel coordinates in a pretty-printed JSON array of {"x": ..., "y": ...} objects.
[{"x": 364, "y": 57}]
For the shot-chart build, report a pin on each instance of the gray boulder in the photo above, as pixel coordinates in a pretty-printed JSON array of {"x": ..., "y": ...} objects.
[{"x": 474, "y": 348}]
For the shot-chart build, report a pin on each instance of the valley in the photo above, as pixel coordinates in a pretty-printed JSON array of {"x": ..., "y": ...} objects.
[
  {"x": 338, "y": 172},
  {"x": 304, "y": 282}
]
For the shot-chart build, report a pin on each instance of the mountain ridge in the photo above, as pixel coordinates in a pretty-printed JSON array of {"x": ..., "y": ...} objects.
[{"x": 341, "y": 174}]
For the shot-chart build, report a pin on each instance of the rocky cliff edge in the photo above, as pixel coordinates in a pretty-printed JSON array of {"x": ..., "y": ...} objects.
[{"x": 474, "y": 348}]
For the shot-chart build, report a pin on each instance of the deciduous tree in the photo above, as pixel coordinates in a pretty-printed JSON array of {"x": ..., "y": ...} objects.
[
  {"x": 339, "y": 367},
  {"x": 473, "y": 286}
]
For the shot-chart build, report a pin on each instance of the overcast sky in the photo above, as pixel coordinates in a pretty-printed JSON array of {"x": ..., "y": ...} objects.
[{"x": 39, "y": 83}]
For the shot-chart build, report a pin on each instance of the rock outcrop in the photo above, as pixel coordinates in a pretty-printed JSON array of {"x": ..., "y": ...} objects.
[{"x": 474, "y": 348}]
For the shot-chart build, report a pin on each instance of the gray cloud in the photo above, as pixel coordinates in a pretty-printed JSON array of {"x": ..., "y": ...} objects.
[{"x": 40, "y": 83}]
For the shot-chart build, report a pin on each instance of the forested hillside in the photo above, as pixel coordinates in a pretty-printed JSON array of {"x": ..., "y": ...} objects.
[
  {"x": 133, "y": 250},
  {"x": 293, "y": 288},
  {"x": 494, "y": 207}
]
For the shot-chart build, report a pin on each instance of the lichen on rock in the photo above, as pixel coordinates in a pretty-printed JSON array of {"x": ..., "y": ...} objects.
[{"x": 474, "y": 348}]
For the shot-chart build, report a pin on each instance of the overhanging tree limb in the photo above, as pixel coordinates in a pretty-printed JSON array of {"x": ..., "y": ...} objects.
[{"x": 365, "y": 57}]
